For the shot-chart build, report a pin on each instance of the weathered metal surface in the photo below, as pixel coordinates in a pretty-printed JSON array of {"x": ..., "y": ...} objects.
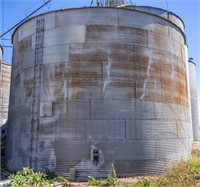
[
  {"x": 5, "y": 75},
  {"x": 194, "y": 101},
  {"x": 111, "y": 79},
  {"x": 161, "y": 13}
]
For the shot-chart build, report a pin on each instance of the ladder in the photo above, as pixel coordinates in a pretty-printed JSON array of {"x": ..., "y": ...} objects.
[{"x": 35, "y": 112}]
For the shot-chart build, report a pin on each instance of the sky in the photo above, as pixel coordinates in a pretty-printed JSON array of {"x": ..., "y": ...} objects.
[{"x": 13, "y": 11}]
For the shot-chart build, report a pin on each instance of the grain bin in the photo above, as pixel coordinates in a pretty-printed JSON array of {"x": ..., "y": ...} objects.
[
  {"x": 5, "y": 74},
  {"x": 1, "y": 52},
  {"x": 194, "y": 100},
  {"x": 95, "y": 86}
]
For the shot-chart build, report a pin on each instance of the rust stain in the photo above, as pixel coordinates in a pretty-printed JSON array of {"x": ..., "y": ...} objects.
[
  {"x": 25, "y": 44},
  {"x": 58, "y": 75},
  {"x": 78, "y": 95},
  {"x": 87, "y": 57},
  {"x": 84, "y": 57},
  {"x": 122, "y": 84},
  {"x": 4, "y": 82},
  {"x": 84, "y": 83},
  {"x": 179, "y": 127},
  {"x": 83, "y": 64},
  {"x": 29, "y": 91},
  {"x": 17, "y": 79},
  {"x": 28, "y": 87},
  {"x": 79, "y": 74},
  {"x": 116, "y": 34}
]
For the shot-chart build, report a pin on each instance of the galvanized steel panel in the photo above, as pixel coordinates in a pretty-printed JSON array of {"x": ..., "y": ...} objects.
[
  {"x": 29, "y": 28},
  {"x": 93, "y": 16},
  {"x": 28, "y": 59},
  {"x": 157, "y": 11},
  {"x": 139, "y": 21},
  {"x": 65, "y": 35},
  {"x": 56, "y": 49},
  {"x": 96, "y": 130},
  {"x": 177, "y": 21},
  {"x": 162, "y": 13}
]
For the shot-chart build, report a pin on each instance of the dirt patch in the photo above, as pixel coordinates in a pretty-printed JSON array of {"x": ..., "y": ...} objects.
[{"x": 196, "y": 145}]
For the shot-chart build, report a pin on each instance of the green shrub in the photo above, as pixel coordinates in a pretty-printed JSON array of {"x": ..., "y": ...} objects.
[
  {"x": 146, "y": 182},
  {"x": 112, "y": 179},
  {"x": 54, "y": 177},
  {"x": 28, "y": 178},
  {"x": 94, "y": 181}
]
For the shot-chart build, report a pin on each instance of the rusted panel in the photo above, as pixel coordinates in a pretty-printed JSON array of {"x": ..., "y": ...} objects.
[
  {"x": 25, "y": 44},
  {"x": 77, "y": 74},
  {"x": 115, "y": 34},
  {"x": 83, "y": 84},
  {"x": 89, "y": 57},
  {"x": 165, "y": 43},
  {"x": 28, "y": 83}
]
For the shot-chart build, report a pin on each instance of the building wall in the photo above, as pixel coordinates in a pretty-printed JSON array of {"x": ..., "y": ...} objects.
[{"x": 113, "y": 79}]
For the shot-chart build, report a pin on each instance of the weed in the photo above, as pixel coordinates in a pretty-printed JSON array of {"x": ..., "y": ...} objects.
[
  {"x": 112, "y": 179},
  {"x": 146, "y": 182},
  {"x": 94, "y": 181},
  {"x": 54, "y": 177},
  {"x": 27, "y": 177}
]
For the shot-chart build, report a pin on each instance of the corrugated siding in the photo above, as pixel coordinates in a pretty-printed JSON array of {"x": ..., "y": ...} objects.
[
  {"x": 5, "y": 75},
  {"x": 114, "y": 79},
  {"x": 194, "y": 101}
]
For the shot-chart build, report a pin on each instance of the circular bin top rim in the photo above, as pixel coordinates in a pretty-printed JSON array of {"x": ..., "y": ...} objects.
[{"x": 129, "y": 8}]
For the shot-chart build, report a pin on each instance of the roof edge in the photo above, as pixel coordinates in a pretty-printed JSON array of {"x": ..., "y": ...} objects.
[{"x": 121, "y": 7}]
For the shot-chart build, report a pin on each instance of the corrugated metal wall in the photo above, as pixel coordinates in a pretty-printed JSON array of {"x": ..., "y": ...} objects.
[
  {"x": 5, "y": 75},
  {"x": 113, "y": 79},
  {"x": 194, "y": 101}
]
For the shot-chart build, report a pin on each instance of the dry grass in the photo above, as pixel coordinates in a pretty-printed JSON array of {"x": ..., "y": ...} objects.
[{"x": 183, "y": 174}]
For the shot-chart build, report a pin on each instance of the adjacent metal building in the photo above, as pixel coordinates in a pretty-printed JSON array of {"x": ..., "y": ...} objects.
[
  {"x": 194, "y": 100},
  {"x": 95, "y": 86},
  {"x": 5, "y": 76}
]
